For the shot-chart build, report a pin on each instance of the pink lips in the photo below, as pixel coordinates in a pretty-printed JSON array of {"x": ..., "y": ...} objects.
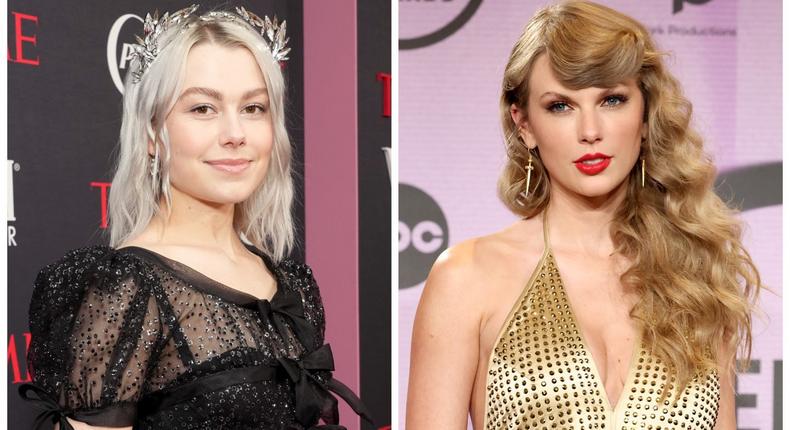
[
  {"x": 231, "y": 165},
  {"x": 592, "y": 164}
]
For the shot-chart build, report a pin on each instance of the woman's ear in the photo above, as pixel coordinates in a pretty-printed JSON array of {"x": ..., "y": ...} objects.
[
  {"x": 524, "y": 131},
  {"x": 151, "y": 148}
]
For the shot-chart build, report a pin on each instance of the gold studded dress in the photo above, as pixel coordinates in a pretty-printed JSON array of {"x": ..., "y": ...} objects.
[{"x": 541, "y": 374}]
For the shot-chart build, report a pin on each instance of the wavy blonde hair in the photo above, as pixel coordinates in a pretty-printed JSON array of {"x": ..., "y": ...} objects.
[
  {"x": 264, "y": 219},
  {"x": 697, "y": 285}
]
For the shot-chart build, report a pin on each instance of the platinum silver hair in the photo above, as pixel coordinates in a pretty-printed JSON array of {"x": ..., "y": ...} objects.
[{"x": 264, "y": 219}]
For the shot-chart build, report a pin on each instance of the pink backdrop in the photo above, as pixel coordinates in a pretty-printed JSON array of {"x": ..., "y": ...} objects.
[
  {"x": 331, "y": 221},
  {"x": 451, "y": 146}
]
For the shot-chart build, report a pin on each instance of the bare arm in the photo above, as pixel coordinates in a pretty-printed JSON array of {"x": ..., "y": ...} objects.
[
  {"x": 726, "y": 417},
  {"x": 445, "y": 347}
]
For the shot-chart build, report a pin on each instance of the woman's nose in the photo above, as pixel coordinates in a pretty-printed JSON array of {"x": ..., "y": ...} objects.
[
  {"x": 232, "y": 131},
  {"x": 589, "y": 127}
]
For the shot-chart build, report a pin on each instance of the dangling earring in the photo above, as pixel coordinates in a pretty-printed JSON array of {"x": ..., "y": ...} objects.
[
  {"x": 643, "y": 172},
  {"x": 152, "y": 166},
  {"x": 529, "y": 169},
  {"x": 155, "y": 170}
]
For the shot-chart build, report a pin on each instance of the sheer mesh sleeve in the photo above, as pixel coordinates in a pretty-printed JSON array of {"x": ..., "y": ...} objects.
[
  {"x": 305, "y": 283},
  {"x": 300, "y": 279},
  {"x": 96, "y": 331}
]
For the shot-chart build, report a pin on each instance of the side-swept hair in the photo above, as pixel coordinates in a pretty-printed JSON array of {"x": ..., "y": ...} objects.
[
  {"x": 264, "y": 219},
  {"x": 696, "y": 283}
]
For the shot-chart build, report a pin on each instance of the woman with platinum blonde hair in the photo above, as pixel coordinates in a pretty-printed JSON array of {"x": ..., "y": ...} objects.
[
  {"x": 621, "y": 296},
  {"x": 193, "y": 317}
]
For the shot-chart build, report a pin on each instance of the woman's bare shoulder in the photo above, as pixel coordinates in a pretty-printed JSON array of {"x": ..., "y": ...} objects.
[{"x": 470, "y": 265}]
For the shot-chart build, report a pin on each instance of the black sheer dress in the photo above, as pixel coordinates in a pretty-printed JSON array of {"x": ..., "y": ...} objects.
[{"x": 128, "y": 337}]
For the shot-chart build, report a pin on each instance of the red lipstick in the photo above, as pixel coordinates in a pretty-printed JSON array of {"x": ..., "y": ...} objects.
[{"x": 592, "y": 164}]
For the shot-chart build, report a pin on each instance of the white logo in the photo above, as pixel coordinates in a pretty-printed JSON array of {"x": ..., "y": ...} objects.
[
  {"x": 422, "y": 234},
  {"x": 12, "y": 167},
  {"x": 426, "y": 237},
  {"x": 113, "y": 62},
  {"x": 387, "y": 156}
]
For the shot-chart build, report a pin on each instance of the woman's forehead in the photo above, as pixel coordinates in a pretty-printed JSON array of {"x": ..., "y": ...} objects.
[{"x": 228, "y": 70}]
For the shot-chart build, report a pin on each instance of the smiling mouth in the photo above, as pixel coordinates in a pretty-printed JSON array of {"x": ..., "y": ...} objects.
[{"x": 230, "y": 166}]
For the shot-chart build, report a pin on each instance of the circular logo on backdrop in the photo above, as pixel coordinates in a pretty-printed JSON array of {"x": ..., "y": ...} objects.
[
  {"x": 119, "y": 47},
  {"x": 422, "y": 235},
  {"x": 677, "y": 5},
  {"x": 424, "y": 23}
]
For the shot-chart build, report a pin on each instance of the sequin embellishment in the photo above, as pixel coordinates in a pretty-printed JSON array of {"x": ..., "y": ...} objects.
[{"x": 129, "y": 337}]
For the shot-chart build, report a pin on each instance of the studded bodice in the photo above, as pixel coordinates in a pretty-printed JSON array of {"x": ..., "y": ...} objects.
[{"x": 541, "y": 374}]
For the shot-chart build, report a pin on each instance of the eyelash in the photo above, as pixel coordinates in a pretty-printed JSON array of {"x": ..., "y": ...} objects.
[
  {"x": 263, "y": 108},
  {"x": 619, "y": 98},
  {"x": 555, "y": 107}
]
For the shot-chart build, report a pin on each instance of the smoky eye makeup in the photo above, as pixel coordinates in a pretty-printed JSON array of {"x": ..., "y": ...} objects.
[
  {"x": 610, "y": 100},
  {"x": 558, "y": 106},
  {"x": 614, "y": 99},
  {"x": 555, "y": 103}
]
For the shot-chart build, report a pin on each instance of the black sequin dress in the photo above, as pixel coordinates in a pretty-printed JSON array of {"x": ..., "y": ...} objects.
[{"x": 128, "y": 337}]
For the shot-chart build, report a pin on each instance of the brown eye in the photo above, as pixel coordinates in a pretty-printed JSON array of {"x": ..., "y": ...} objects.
[
  {"x": 202, "y": 109},
  {"x": 253, "y": 109}
]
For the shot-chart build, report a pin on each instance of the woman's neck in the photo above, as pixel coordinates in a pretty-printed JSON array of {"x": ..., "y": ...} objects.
[
  {"x": 580, "y": 223},
  {"x": 197, "y": 223}
]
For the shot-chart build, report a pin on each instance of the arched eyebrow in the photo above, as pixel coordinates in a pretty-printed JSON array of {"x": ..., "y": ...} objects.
[
  {"x": 554, "y": 94},
  {"x": 216, "y": 95},
  {"x": 603, "y": 92}
]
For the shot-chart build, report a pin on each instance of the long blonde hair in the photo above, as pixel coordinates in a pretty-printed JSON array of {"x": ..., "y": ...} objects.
[
  {"x": 697, "y": 285},
  {"x": 264, "y": 219}
]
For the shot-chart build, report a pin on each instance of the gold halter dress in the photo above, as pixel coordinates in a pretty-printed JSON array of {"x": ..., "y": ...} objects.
[{"x": 541, "y": 374}]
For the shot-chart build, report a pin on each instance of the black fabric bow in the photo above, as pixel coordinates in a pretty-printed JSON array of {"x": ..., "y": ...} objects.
[
  {"x": 313, "y": 397},
  {"x": 43, "y": 400},
  {"x": 288, "y": 306},
  {"x": 313, "y": 401}
]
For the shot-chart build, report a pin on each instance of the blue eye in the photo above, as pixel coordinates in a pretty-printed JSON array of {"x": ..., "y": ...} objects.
[
  {"x": 558, "y": 107},
  {"x": 614, "y": 100}
]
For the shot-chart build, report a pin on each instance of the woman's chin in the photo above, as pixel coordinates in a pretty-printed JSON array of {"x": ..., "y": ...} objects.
[
  {"x": 226, "y": 199},
  {"x": 602, "y": 189}
]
